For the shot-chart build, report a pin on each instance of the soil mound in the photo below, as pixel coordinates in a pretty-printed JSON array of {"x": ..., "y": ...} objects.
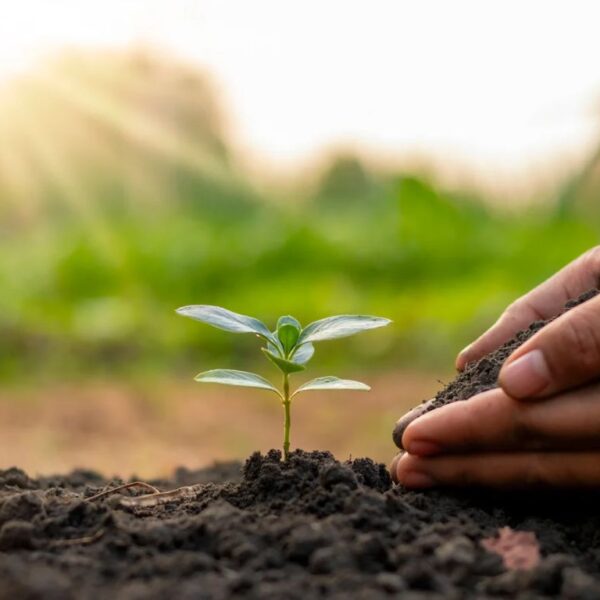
[{"x": 309, "y": 528}]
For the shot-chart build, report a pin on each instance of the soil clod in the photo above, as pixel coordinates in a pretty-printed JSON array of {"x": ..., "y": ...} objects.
[{"x": 312, "y": 527}]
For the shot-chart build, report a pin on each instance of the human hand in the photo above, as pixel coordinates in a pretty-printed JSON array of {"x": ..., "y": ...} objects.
[
  {"x": 481, "y": 440},
  {"x": 543, "y": 302},
  {"x": 494, "y": 440}
]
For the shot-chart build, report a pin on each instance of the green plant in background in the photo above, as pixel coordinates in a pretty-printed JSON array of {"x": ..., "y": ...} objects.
[{"x": 289, "y": 348}]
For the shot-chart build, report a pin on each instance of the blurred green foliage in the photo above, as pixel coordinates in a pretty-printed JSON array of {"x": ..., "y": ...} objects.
[
  {"x": 90, "y": 277},
  {"x": 439, "y": 266}
]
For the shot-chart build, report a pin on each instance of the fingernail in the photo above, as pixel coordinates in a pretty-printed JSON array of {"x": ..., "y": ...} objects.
[
  {"x": 462, "y": 357},
  {"x": 403, "y": 422},
  {"x": 394, "y": 466},
  {"x": 417, "y": 480},
  {"x": 423, "y": 448},
  {"x": 526, "y": 376}
]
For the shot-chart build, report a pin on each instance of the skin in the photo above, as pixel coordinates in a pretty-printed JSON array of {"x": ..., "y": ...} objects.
[{"x": 541, "y": 426}]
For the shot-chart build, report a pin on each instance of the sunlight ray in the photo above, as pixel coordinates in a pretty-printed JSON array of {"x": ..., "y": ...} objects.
[
  {"x": 49, "y": 161},
  {"x": 148, "y": 133},
  {"x": 18, "y": 186}
]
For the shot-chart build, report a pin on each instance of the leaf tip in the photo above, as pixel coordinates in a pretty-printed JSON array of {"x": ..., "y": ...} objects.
[{"x": 201, "y": 376}]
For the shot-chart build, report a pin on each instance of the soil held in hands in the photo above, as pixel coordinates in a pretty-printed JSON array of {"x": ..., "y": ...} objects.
[
  {"x": 481, "y": 375},
  {"x": 309, "y": 528}
]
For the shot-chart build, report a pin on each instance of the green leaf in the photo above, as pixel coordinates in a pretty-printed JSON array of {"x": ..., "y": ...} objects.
[
  {"x": 331, "y": 383},
  {"x": 276, "y": 349},
  {"x": 340, "y": 326},
  {"x": 289, "y": 320},
  {"x": 238, "y": 378},
  {"x": 287, "y": 366},
  {"x": 288, "y": 331},
  {"x": 221, "y": 318},
  {"x": 302, "y": 354}
]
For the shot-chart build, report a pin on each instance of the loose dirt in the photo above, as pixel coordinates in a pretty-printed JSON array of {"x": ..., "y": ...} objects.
[{"x": 309, "y": 528}]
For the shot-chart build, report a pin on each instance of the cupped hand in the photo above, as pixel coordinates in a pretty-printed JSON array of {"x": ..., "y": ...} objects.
[
  {"x": 542, "y": 425},
  {"x": 494, "y": 440},
  {"x": 543, "y": 302}
]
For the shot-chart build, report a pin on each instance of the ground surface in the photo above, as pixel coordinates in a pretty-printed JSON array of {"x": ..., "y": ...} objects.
[{"x": 312, "y": 528}]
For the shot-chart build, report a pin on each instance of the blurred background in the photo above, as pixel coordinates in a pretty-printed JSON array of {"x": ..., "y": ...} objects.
[{"x": 423, "y": 161}]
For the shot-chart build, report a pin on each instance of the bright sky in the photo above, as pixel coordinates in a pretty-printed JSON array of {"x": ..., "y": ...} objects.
[{"x": 507, "y": 87}]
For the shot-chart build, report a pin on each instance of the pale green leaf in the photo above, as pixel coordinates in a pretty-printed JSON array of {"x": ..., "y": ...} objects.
[
  {"x": 289, "y": 320},
  {"x": 286, "y": 366},
  {"x": 221, "y": 318},
  {"x": 302, "y": 354},
  {"x": 275, "y": 349},
  {"x": 340, "y": 326},
  {"x": 331, "y": 383},
  {"x": 237, "y": 378}
]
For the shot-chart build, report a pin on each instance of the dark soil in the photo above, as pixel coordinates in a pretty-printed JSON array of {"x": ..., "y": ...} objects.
[
  {"x": 482, "y": 375},
  {"x": 309, "y": 528}
]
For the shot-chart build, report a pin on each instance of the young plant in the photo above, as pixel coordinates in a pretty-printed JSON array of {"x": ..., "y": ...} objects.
[{"x": 289, "y": 348}]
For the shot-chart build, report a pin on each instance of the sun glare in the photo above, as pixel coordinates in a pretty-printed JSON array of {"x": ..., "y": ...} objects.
[{"x": 500, "y": 86}]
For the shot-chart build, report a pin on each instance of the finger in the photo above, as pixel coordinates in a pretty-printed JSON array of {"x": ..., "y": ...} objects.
[
  {"x": 403, "y": 422},
  {"x": 543, "y": 302},
  {"x": 393, "y": 466},
  {"x": 562, "y": 355},
  {"x": 493, "y": 421},
  {"x": 504, "y": 471}
]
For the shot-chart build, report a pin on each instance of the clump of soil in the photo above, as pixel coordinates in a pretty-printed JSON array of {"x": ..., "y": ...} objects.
[
  {"x": 482, "y": 375},
  {"x": 312, "y": 527},
  {"x": 309, "y": 528}
]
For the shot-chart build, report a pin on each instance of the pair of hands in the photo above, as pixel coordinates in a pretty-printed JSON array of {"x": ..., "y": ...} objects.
[{"x": 541, "y": 426}]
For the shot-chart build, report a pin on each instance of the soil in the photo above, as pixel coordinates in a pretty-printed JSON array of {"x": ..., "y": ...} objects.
[
  {"x": 312, "y": 527},
  {"x": 482, "y": 375},
  {"x": 309, "y": 528}
]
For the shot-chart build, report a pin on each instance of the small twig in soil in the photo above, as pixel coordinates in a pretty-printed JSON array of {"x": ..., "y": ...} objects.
[
  {"x": 124, "y": 487},
  {"x": 88, "y": 539},
  {"x": 188, "y": 492}
]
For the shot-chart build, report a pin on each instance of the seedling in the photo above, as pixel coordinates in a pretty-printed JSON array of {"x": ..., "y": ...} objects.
[{"x": 289, "y": 348}]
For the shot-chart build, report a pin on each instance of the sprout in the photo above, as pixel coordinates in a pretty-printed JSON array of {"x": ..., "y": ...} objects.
[{"x": 289, "y": 348}]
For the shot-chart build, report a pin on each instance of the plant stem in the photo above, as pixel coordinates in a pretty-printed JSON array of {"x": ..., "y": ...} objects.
[{"x": 287, "y": 422}]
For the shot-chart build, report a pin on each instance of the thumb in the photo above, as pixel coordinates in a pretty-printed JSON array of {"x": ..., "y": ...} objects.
[{"x": 563, "y": 355}]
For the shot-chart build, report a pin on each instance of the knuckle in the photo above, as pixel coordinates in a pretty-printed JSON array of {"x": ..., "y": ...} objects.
[
  {"x": 470, "y": 421},
  {"x": 513, "y": 310},
  {"x": 523, "y": 427},
  {"x": 572, "y": 474},
  {"x": 590, "y": 260},
  {"x": 462, "y": 474},
  {"x": 581, "y": 340},
  {"x": 393, "y": 468},
  {"x": 537, "y": 472}
]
